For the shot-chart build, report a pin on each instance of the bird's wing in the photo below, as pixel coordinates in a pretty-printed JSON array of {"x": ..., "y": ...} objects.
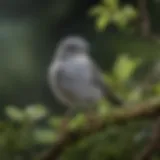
[
  {"x": 73, "y": 73},
  {"x": 63, "y": 86},
  {"x": 72, "y": 78},
  {"x": 106, "y": 89}
]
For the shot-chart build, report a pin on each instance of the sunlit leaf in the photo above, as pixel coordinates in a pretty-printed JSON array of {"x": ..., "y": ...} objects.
[
  {"x": 103, "y": 108},
  {"x": 77, "y": 122},
  {"x": 44, "y": 136},
  {"x": 14, "y": 113},
  {"x": 135, "y": 95},
  {"x": 130, "y": 12},
  {"x": 125, "y": 67},
  {"x": 96, "y": 10},
  {"x": 120, "y": 19},
  {"x": 156, "y": 88},
  {"x": 110, "y": 11},
  {"x": 102, "y": 21},
  {"x": 111, "y": 4},
  {"x": 36, "y": 112}
]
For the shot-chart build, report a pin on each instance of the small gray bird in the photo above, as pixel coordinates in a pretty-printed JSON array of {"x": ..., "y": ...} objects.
[{"x": 74, "y": 78}]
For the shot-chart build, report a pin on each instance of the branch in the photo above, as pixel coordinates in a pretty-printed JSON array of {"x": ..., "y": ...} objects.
[
  {"x": 150, "y": 108},
  {"x": 153, "y": 144}
]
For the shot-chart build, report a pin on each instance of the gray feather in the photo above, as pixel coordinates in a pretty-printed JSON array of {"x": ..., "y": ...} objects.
[{"x": 74, "y": 78}]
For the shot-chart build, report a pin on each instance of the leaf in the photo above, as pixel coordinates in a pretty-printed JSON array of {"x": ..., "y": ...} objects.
[
  {"x": 14, "y": 113},
  {"x": 156, "y": 88},
  {"x": 135, "y": 95},
  {"x": 54, "y": 121},
  {"x": 96, "y": 10},
  {"x": 103, "y": 108},
  {"x": 125, "y": 67},
  {"x": 111, "y": 4},
  {"x": 36, "y": 112},
  {"x": 44, "y": 136},
  {"x": 129, "y": 12},
  {"x": 102, "y": 21},
  {"x": 77, "y": 122},
  {"x": 109, "y": 11},
  {"x": 120, "y": 19}
]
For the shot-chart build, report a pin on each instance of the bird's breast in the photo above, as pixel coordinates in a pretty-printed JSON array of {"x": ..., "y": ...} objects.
[{"x": 78, "y": 68}]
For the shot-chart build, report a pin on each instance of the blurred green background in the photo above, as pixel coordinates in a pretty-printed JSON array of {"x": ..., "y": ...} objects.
[{"x": 29, "y": 31}]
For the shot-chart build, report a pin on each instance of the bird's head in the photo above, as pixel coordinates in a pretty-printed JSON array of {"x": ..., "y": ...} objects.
[{"x": 72, "y": 46}]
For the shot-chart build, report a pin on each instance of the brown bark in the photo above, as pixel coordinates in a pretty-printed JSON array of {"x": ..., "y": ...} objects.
[
  {"x": 148, "y": 109},
  {"x": 153, "y": 144}
]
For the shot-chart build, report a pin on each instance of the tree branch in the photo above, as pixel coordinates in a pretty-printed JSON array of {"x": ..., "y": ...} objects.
[
  {"x": 153, "y": 144},
  {"x": 149, "y": 108}
]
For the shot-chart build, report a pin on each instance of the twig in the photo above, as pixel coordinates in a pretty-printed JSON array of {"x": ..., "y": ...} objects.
[
  {"x": 153, "y": 144},
  {"x": 150, "y": 108}
]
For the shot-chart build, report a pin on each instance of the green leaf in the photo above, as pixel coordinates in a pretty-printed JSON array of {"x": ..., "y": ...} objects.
[
  {"x": 44, "y": 136},
  {"x": 129, "y": 12},
  {"x": 120, "y": 19},
  {"x": 102, "y": 21},
  {"x": 96, "y": 10},
  {"x": 125, "y": 67},
  {"x": 54, "y": 121},
  {"x": 135, "y": 95},
  {"x": 156, "y": 88},
  {"x": 109, "y": 11},
  {"x": 103, "y": 108},
  {"x": 111, "y": 4},
  {"x": 36, "y": 112},
  {"x": 14, "y": 113},
  {"x": 77, "y": 122}
]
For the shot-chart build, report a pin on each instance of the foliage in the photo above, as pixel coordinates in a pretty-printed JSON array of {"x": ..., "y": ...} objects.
[
  {"x": 22, "y": 136},
  {"x": 109, "y": 11},
  {"x": 26, "y": 133}
]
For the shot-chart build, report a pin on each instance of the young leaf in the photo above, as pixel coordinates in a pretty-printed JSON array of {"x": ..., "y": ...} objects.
[
  {"x": 14, "y": 113},
  {"x": 135, "y": 95},
  {"x": 96, "y": 10},
  {"x": 130, "y": 12},
  {"x": 111, "y": 4},
  {"x": 44, "y": 136},
  {"x": 36, "y": 112},
  {"x": 78, "y": 121},
  {"x": 125, "y": 67},
  {"x": 102, "y": 21},
  {"x": 54, "y": 121}
]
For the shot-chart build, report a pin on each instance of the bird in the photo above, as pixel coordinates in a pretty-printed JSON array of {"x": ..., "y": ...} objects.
[{"x": 75, "y": 78}]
